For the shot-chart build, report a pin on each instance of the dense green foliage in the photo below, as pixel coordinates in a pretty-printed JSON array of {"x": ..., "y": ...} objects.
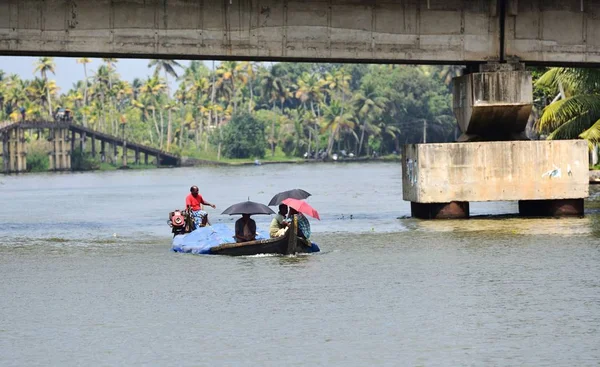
[
  {"x": 572, "y": 104},
  {"x": 244, "y": 137},
  {"x": 83, "y": 161},
  {"x": 37, "y": 158},
  {"x": 303, "y": 107}
]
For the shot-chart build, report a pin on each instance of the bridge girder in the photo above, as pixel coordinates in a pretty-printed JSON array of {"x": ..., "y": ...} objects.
[{"x": 414, "y": 31}]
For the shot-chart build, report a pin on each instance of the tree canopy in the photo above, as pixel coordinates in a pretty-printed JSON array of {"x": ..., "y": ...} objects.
[{"x": 302, "y": 107}]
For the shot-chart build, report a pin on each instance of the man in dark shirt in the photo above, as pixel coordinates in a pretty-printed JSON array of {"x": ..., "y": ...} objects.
[{"x": 245, "y": 229}]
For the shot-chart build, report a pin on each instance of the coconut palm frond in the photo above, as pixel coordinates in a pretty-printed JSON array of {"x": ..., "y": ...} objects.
[
  {"x": 549, "y": 116},
  {"x": 572, "y": 128},
  {"x": 574, "y": 81},
  {"x": 580, "y": 80},
  {"x": 592, "y": 135},
  {"x": 563, "y": 111},
  {"x": 549, "y": 78}
]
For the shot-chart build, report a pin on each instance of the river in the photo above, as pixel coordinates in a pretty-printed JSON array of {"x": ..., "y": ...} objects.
[{"x": 88, "y": 278}]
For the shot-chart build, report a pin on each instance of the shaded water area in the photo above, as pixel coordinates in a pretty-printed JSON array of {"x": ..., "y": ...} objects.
[{"x": 88, "y": 278}]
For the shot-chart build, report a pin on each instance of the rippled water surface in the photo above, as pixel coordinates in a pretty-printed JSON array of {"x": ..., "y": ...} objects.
[{"x": 88, "y": 278}]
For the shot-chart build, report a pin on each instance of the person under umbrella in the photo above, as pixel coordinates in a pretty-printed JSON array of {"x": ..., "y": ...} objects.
[
  {"x": 298, "y": 208},
  {"x": 279, "y": 225},
  {"x": 245, "y": 227}
]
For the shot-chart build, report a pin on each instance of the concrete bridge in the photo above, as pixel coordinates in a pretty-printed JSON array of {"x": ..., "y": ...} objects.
[
  {"x": 492, "y": 102},
  {"x": 64, "y": 135},
  {"x": 413, "y": 31}
]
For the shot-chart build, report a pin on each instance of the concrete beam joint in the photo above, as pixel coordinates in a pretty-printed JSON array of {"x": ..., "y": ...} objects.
[{"x": 493, "y": 67}]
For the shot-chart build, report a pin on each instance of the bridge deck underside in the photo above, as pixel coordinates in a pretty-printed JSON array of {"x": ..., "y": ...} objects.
[{"x": 460, "y": 31}]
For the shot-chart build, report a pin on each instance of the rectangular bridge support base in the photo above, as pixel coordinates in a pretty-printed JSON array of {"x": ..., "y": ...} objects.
[
  {"x": 551, "y": 208},
  {"x": 451, "y": 210}
]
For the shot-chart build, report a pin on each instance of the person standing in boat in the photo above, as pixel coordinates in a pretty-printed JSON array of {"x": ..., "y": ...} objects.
[
  {"x": 194, "y": 202},
  {"x": 279, "y": 225},
  {"x": 303, "y": 224},
  {"x": 245, "y": 229}
]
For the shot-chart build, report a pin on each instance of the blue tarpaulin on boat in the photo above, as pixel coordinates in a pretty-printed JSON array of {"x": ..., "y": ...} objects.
[{"x": 201, "y": 240}]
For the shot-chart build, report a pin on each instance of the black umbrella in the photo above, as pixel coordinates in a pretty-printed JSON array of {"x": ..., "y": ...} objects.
[
  {"x": 248, "y": 207},
  {"x": 293, "y": 194}
]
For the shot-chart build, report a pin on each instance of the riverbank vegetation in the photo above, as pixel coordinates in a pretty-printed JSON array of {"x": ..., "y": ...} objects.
[
  {"x": 236, "y": 111},
  {"x": 292, "y": 108}
]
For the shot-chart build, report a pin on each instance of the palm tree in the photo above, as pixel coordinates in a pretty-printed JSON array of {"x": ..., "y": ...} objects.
[
  {"x": 111, "y": 67},
  {"x": 100, "y": 89},
  {"x": 230, "y": 72},
  {"x": 578, "y": 114},
  {"x": 41, "y": 90},
  {"x": 292, "y": 134},
  {"x": 338, "y": 82},
  {"x": 370, "y": 105},
  {"x": 197, "y": 87},
  {"x": 168, "y": 66},
  {"x": 45, "y": 65},
  {"x": 146, "y": 106},
  {"x": 150, "y": 94},
  {"x": 248, "y": 68},
  {"x": 84, "y": 61},
  {"x": 335, "y": 120},
  {"x": 310, "y": 88},
  {"x": 389, "y": 130},
  {"x": 269, "y": 84},
  {"x": 15, "y": 93}
]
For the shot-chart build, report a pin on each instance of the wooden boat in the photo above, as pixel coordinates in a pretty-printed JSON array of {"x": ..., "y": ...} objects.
[{"x": 287, "y": 244}]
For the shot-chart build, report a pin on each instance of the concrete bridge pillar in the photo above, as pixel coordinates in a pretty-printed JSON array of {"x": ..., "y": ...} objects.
[
  {"x": 102, "y": 151},
  {"x": 5, "y": 154},
  {"x": 82, "y": 139},
  {"x": 60, "y": 156},
  {"x": 124, "y": 153},
  {"x": 16, "y": 153},
  {"x": 93, "y": 146},
  {"x": 51, "y": 163},
  {"x": 494, "y": 160}
]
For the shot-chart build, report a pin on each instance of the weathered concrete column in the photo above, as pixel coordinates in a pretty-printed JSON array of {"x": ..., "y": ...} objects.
[
  {"x": 93, "y": 141},
  {"x": 137, "y": 155},
  {"x": 5, "y": 153},
  {"x": 145, "y": 157},
  {"x": 51, "y": 155},
  {"x": 60, "y": 157},
  {"x": 102, "y": 151},
  {"x": 115, "y": 154},
  {"x": 66, "y": 151},
  {"x": 82, "y": 137},
  {"x": 158, "y": 160},
  {"x": 72, "y": 141},
  {"x": 17, "y": 153},
  {"x": 124, "y": 153}
]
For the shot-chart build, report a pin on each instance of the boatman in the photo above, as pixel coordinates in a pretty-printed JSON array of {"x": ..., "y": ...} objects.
[
  {"x": 279, "y": 225},
  {"x": 194, "y": 202}
]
